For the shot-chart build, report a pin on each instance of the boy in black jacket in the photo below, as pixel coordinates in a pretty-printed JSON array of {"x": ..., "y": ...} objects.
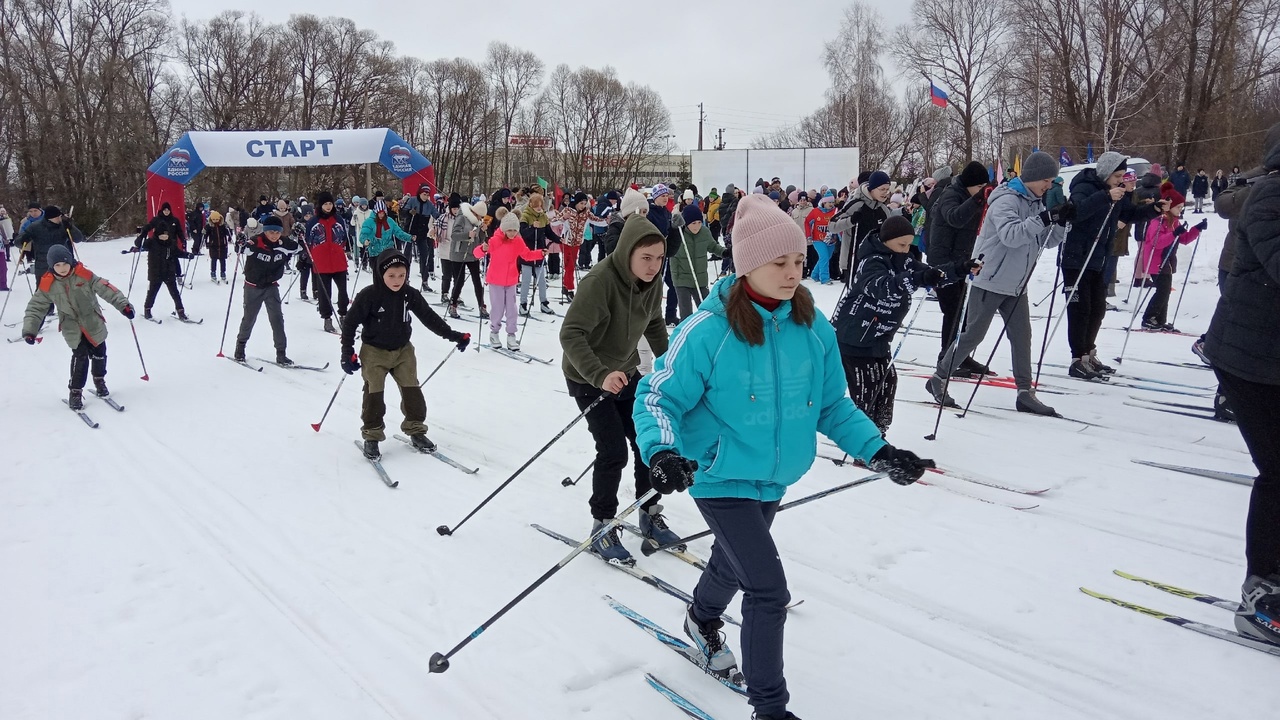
[
  {"x": 266, "y": 255},
  {"x": 867, "y": 317},
  {"x": 383, "y": 309}
]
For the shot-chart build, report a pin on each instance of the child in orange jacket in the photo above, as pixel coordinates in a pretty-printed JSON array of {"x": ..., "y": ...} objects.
[{"x": 505, "y": 248}]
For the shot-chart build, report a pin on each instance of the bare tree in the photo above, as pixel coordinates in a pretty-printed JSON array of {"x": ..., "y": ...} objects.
[{"x": 515, "y": 76}]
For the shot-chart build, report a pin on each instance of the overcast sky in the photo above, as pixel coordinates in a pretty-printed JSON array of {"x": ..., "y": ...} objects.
[{"x": 755, "y": 65}]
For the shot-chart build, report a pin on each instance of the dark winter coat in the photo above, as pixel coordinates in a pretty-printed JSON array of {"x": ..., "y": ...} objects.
[
  {"x": 879, "y": 297},
  {"x": 953, "y": 224},
  {"x": 163, "y": 224},
  {"x": 217, "y": 238},
  {"x": 1148, "y": 187},
  {"x": 327, "y": 239},
  {"x": 418, "y": 214},
  {"x": 264, "y": 262},
  {"x": 263, "y": 209},
  {"x": 160, "y": 257},
  {"x": 1244, "y": 335},
  {"x": 43, "y": 234},
  {"x": 861, "y": 216},
  {"x": 537, "y": 238},
  {"x": 385, "y": 314},
  {"x": 1200, "y": 186},
  {"x": 1181, "y": 180},
  {"x": 728, "y": 208},
  {"x": 1217, "y": 186},
  {"x": 938, "y": 187},
  {"x": 496, "y": 202},
  {"x": 613, "y": 232},
  {"x": 195, "y": 222},
  {"x": 660, "y": 216},
  {"x": 1229, "y": 206},
  {"x": 1095, "y": 221}
]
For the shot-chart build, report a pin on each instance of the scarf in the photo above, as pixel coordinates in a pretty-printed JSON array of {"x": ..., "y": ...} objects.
[
  {"x": 531, "y": 216},
  {"x": 379, "y": 225}
]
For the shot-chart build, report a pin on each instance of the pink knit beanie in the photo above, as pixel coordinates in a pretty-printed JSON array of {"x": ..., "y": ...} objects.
[{"x": 762, "y": 233}]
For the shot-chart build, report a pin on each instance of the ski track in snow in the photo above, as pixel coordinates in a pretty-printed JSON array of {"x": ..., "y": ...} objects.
[{"x": 205, "y": 554}]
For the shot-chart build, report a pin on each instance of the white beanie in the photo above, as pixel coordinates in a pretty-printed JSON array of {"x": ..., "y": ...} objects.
[
  {"x": 688, "y": 195},
  {"x": 510, "y": 225},
  {"x": 632, "y": 202}
]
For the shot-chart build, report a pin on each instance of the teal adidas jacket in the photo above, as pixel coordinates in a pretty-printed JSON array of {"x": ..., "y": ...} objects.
[{"x": 749, "y": 415}]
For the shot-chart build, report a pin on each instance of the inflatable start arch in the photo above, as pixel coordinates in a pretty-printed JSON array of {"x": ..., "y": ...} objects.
[{"x": 168, "y": 176}]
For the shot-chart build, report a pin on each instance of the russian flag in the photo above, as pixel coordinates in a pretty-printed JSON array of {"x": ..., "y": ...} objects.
[{"x": 936, "y": 96}]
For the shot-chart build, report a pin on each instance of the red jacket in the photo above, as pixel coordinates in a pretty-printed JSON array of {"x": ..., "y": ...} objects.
[
  {"x": 503, "y": 254},
  {"x": 327, "y": 241},
  {"x": 815, "y": 224}
]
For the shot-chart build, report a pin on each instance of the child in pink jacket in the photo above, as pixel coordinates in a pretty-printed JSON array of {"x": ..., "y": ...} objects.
[
  {"x": 1158, "y": 258},
  {"x": 505, "y": 248}
]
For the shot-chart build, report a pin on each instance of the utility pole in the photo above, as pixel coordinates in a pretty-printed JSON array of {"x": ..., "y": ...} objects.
[
  {"x": 720, "y": 139},
  {"x": 701, "y": 116}
]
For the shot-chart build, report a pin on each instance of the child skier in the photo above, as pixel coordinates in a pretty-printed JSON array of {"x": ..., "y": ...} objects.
[
  {"x": 689, "y": 266},
  {"x": 1158, "y": 255},
  {"x": 380, "y": 232},
  {"x": 618, "y": 303},
  {"x": 383, "y": 309},
  {"x": 163, "y": 253},
  {"x": 267, "y": 254},
  {"x": 815, "y": 229},
  {"x": 76, "y": 290},
  {"x": 505, "y": 250},
  {"x": 217, "y": 238},
  {"x": 758, "y": 349},
  {"x": 868, "y": 316}
]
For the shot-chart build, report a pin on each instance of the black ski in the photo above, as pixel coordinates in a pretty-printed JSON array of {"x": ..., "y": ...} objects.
[
  {"x": 1194, "y": 366},
  {"x": 439, "y": 456},
  {"x": 83, "y": 415},
  {"x": 509, "y": 353},
  {"x": 1231, "y": 477},
  {"x": 295, "y": 366},
  {"x": 1202, "y": 628},
  {"x": 109, "y": 401},
  {"x": 1184, "y": 406},
  {"x": 377, "y": 466},
  {"x": 243, "y": 363},
  {"x": 1172, "y": 411},
  {"x": 154, "y": 320},
  {"x": 188, "y": 321}
]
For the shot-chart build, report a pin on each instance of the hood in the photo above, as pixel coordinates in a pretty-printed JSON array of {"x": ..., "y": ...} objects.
[
  {"x": 471, "y": 213},
  {"x": 872, "y": 245},
  {"x": 323, "y": 197},
  {"x": 1013, "y": 187},
  {"x": 500, "y": 196},
  {"x": 730, "y": 190},
  {"x": 862, "y": 195},
  {"x": 384, "y": 258},
  {"x": 1149, "y": 180},
  {"x": 635, "y": 228},
  {"x": 1087, "y": 176},
  {"x": 163, "y": 207}
]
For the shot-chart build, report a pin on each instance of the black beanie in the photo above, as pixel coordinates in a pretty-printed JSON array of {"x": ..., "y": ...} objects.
[
  {"x": 975, "y": 173},
  {"x": 896, "y": 226},
  {"x": 455, "y": 200},
  {"x": 52, "y": 212}
]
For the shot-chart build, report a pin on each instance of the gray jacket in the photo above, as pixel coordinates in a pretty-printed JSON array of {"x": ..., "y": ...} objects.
[
  {"x": 1012, "y": 239},
  {"x": 459, "y": 245}
]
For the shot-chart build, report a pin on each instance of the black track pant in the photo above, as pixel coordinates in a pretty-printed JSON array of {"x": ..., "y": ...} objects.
[
  {"x": 459, "y": 270},
  {"x": 84, "y": 356},
  {"x": 154, "y": 289},
  {"x": 1158, "y": 307},
  {"x": 611, "y": 425},
  {"x": 950, "y": 302},
  {"x": 873, "y": 384},
  {"x": 323, "y": 292},
  {"x": 1255, "y": 407},
  {"x": 1086, "y": 312}
]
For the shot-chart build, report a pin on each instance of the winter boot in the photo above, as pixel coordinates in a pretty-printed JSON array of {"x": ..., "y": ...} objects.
[
  {"x": 426, "y": 287},
  {"x": 282, "y": 359},
  {"x": 100, "y": 386},
  {"x": 710, "y": 642},
  {"x": 453, "y": 311},
  {"x": 484, "y": 312},
  {"x": 328, "y": 325},
  {"x": 975, "y": 367},
  {"x": 422, "y": 443},
  {"x": 146, "y": 313},
  {"x": 937, "y": 388},
  {"x": 76, "y": 400},
  {"x": 1259, "y": 613},
  {"x": 239, "y": 354},
  {"x": 371, "y": 450},
  {"x": 304, "y": 296},
  {"x": 1168, "y": 327},
  {"x": 182, "y": 315},
  {"x": 609, "y": 546},
  {"x": 1220, "y": 409},
  {"x": 1028, "y": 403},
  {"x": 513, "y": 342},
  {"x": 224, "y": 277},
  {"x": 546, "y": 309},
  {"x": 495, "y": 340},
  {"x": 1097, "y": 365},
  {"x": 1197, "y": 348},
  {"x": 444, "y": 298},
  {"x": 1079, "y": 369},
  {"x": 524, "y": 308},
  {"x": 654, "y": 527},
  {"x": 1151, "y": 324}
]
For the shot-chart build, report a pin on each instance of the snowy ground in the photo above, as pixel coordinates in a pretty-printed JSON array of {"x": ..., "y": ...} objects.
[{"x": 207, "y": 555}]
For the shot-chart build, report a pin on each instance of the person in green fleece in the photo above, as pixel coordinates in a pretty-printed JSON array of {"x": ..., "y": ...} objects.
[{"x": 617, "y": 303}]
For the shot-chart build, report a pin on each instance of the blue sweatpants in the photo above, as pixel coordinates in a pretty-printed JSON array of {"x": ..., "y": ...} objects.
[
  {"x": 822, "y": 271},
  {"x": 744, "y": 557}
]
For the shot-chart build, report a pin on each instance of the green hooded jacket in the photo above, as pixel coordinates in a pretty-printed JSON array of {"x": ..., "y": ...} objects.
[
  {"x": 76, "y": 297},
  {"x": 692, "y": 249},
  {"x": 610, "y": 312}
]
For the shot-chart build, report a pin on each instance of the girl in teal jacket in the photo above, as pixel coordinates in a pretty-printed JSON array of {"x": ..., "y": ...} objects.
[
  {"x": 379, "y": 231},
  {"x": 731, "y": 412}
]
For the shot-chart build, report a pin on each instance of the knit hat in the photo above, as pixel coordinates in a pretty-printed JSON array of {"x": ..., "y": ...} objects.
[
  {"x": 1041, "y": 165},
  {"x": 215, "y": 217},
  {"x": 323, "y": 197},
  {"x": 757, "y": 190},
  {"x": 60, "y": 253},
  {"x": 691, "y": 214},
  {"x": 827, "y": 197},
  {"x": 33, "y": 205},
  {"x": 876, "y": 179},
  {"x": 942, "y": 173},
  {"x": 262, "y": 198},
  {"x": 975, "y": 173},
  {"x": 774, "y": 195},
  {"x": 658, "y": 191},
  {"x": 393, "y": 259},
  {"x": 762, "y": 232},
  {"x": 272, "y": 222},
  {"x": 455, "y": 200},
  {"x": 632, "y": 202},
  {"x": 510, "y": 224},
  {"x": 1109, "y": 163},
  {"x": 793, "y": 197},
  {"x": 52, "y": 212},
  {"x": 580, "y": 197},
  {"x": 1170, "y": 193},
  {"x": 380, "y": 206},
  {"x": 896, "y": 226},
  {"x": 688, "y": 195}
]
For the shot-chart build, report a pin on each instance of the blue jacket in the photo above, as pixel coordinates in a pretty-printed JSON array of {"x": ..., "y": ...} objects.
[{"x": 749, "y": 415}]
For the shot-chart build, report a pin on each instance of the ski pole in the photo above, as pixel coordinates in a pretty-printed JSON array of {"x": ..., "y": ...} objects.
[
  {"x": 11, "y": 284},
  {"x": 145, "y": 374},
  {"x": 1185, "y": 279},
  {"x": 1003, "y": 331},
  {"x": 955, "y": 345},
  {"x": 568, "y": 483},
  {"x": 290, "y": 288},
  {"x": 230, "y": 296},
  {"x": 440, "y": 661},
  {"x": 191, "y": 272},
  {"x": 1047, "y": 296},
  {"x": 1142, "y": 299},
  {"x": 442, "y": 362},
  {"x": 906, "y": 331},
  {"x": 649, "y": 548},
  {"x": 446, "y": 530},
  {"x": 1044, "y": 344},
  {"x": 327, "y": 408},
  {"x": 533, "y": 293},
  {"x": 137, "y": 258},
  {"x": 1071, "y": 296}
]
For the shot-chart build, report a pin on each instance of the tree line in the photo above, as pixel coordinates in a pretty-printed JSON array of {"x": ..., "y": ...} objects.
[{"x": 92, "y": 91}]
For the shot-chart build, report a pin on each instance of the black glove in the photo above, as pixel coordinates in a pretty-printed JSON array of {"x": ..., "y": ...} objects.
[
  {"x": 960, "y": 268},
  {"x": 463, "y": 341},
  {"x": 128, "y": 312},
  {"x": 1203, "y": 225},
  {"x": 28, "y": 338},
  {"x": 928, "y": 277},
  {"x": 1064, "y": 213},
  {"x": 668, "y": 472},
  {"x": 904, "y": 467},
  {"x": 350, "y": 362},
  {"x": 1179, "y": 229}
]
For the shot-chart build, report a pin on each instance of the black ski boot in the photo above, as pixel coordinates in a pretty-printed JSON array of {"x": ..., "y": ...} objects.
[
  {"x": 283, "y": 360},
  {"x": 371, "y": 450},
  {"x": 182, "y": 315},
  {"x": 238, "y": 356},
  {"x": 328, "y": 325},
  {"x": 76, "y": 400},
  {"x": 453, "y": 311},
  {"x": 422, "y": 443},
  {"x": 146, "y": 313},
  {"x": 1097, "y": 365},
  {"x": 484, "y": 311},
  {"x": 975, "y": 368},
  {"x": 1259, "y": 613},
  {"x": 1028, "y": 403},
  {"x": 937, "y": 388},
  {"x": 100, "y": 386},
  {"x": 1082, "y": 371},
  {"x": 788, "y": 716}
]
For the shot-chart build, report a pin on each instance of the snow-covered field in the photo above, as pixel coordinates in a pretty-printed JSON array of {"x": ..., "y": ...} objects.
[{"x": 205, "y": 554}]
